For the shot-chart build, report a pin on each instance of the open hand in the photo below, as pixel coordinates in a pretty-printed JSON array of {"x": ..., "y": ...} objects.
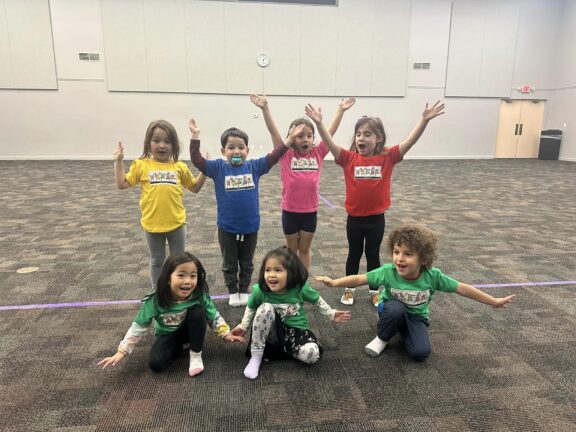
[
  {"x": 293, "y": 133},
  {"x": 259, "y": 100},
  {"x": 325, "y": 280},
  {"x": 501, "y": 302},
  {"x": 112, "y": 361},
  {"x": 234, "y": 338},
  {"x": 119, "y": 152},
  {"x": 194, "y": 129},
  {"x": 342, "y": 316},
  {"x": 433, "y": 111},
  {"x": 238, "y": 331},
  {"x": 344, "y": 104},
  {"x": 314, "y": 113}
]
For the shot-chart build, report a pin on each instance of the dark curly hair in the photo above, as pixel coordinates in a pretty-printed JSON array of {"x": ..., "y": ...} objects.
[
  {"x": 297, "y": 273},
  {"x": 417, "y": 237}
]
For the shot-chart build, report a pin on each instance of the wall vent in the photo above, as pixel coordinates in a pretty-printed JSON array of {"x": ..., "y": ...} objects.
[
  {"x": 421, "y": 66},
  {"x": 89, "y": 56}
]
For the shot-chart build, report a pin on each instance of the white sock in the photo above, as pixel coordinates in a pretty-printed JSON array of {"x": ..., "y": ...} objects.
[
  {"x": 375, "y": 347},
  {"x": 253, "y": 367},
  {"x": 196, "y": 365}
]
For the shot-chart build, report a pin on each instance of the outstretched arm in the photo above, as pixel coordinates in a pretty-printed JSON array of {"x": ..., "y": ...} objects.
[
  {"x": 316, "y": 116},
  {"x": 261, "y": 102},
  {"x": 470, "y": 292},
  {"x": 343, "y": 106},
  {"x": 119, "y": 174},
  {"x": 351, "y": 281},
  {"x": 428, "y": 114},
  {"x": 195, "y": 155}
]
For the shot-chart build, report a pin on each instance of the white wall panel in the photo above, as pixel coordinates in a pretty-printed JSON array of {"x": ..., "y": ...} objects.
[
  {"x": 243, "y": 28},
  {"x": 391, "y": 33},
  {"x": 26, "y": 45},
  {"x": 206, "y": 47},
  {"x": 165, "y": 28},
  {"x": 281, "y": 40},
  {"x": 481, "y": 53},
  {"x": 354, "y": 61},
  {"x": 497, "y": 66},
  {"x": 465, "y": 52},
  {"x": 318, "y": 50},
  {"x": 125, "y": 45}
]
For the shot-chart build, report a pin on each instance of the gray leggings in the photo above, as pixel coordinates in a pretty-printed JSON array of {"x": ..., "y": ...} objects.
[{"x": 157, "y": 246}]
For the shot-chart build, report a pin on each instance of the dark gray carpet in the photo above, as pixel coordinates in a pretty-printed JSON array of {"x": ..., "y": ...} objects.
[{"x": 501, "y": 222}]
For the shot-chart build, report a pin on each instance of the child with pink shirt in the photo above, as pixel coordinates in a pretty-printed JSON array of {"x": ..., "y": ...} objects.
[{"x": 301, "y": 167}]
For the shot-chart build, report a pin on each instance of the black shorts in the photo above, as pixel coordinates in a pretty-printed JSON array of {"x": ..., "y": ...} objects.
[{"x": 293, "y": 222}]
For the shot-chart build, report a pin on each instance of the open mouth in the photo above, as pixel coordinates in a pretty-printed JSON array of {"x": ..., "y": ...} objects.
[{"x": 361, "y": 147}]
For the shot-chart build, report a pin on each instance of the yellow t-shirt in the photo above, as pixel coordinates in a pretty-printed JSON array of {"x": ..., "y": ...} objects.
[{"x": 161, "y": 193}]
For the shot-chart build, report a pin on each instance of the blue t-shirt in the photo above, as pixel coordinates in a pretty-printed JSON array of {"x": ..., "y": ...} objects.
[{"x": 237, "y": 193}]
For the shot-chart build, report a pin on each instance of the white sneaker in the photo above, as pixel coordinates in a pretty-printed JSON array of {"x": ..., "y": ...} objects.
[
  {"x": 234, "y": 300},
  {"x": 348, "y": 296},
  {"x": 244, "y": 299}
]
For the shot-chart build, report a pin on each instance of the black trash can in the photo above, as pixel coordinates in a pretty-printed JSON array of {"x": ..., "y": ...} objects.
[{"x": 550, "y": 144}]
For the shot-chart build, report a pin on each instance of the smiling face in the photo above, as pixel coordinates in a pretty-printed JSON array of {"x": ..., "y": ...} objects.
[
  {"x": 161, "y": 145},
  {"x": 275, "y": 275},
  {"x": 366, "y": 140},
  {"x": 235, "y": 150},
  {"x": 406, "y": 261},
  {"x": 183, "y": 280}
]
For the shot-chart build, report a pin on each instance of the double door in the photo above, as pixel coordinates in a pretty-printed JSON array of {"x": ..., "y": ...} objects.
[{"x": 519, "y": 128}]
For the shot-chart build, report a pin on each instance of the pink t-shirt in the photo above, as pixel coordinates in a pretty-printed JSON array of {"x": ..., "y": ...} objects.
[{"x": 301, "y": 179}]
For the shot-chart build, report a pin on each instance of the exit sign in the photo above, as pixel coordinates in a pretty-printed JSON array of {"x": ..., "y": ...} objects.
[{"x": 525, "y": 89}]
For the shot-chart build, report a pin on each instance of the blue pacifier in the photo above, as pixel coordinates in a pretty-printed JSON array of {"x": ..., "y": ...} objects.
[{"x": 236, "y": 160}]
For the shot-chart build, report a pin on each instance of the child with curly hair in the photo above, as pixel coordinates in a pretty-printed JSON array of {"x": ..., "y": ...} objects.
[{"x": 409, "y": 283}]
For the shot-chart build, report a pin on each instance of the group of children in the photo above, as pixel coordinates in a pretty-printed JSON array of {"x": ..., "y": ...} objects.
[{"x": 180, "y": 305}]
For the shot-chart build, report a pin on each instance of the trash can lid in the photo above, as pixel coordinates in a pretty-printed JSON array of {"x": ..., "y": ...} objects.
[{"x": 551, "y": 132}]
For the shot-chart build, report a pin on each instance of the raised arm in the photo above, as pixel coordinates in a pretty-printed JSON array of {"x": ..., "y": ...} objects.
[
  {"x": 343, "y": 106},
  {"x": 428, "y": 114},
  {"x": 261, "y": 102},
  {"x": 279, "y": 150},
  {"x": 316, "y": 116},
  {"x": 351, "y": 281},
  {"x": 473, "y": 293},
  {"x": 195, "y": 155},
  {"x": 119, "y": 173}
]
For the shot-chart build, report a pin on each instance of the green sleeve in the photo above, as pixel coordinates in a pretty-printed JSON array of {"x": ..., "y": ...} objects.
[
  {"x": 443, "y": 282},
  {"x": 146, "y": 313},
  {"x": 256, "y": 298},
  {"x": 310, "y": 294},
  {"x": 210, "y": 308},
  {"x": 376, "y": 277}
]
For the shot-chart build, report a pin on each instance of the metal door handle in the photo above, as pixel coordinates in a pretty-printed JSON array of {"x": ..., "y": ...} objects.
[
  {"x": 516, "y": 130},
  {"x": 521, "y": 124}
]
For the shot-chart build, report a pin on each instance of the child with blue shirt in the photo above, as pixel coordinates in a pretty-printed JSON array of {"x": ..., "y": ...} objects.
[
  {"x": 409, "y": 283},
  {"x": 236, "y": 184}
]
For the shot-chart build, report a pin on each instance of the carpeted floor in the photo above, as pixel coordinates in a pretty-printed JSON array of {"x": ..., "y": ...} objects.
[{"x": 502, "y": 222}]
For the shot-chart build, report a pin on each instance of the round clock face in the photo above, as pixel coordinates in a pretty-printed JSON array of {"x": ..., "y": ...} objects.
[{"x": 263, "y": 60}]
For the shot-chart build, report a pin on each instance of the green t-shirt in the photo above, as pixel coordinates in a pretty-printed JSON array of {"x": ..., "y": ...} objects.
[
  {"x": 168, "y": 320},
  {"x": 415, "y": 294},
  {"x": 290, "y": 305}
]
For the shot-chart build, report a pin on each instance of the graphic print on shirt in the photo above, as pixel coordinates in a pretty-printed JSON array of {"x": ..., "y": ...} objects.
[
  {"x": 239, "y": 182},
  {"x": 163, "y": 177},
  {"x": 304, "y": 164},
  {"x": 367, "y": 172},
  {"x": 409, "y": 297},
  {"x": 174, "y": 319},
  {"x": 287, "y": 310}
]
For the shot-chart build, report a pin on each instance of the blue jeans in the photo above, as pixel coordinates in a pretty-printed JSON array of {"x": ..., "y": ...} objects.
[{"x": 394, "y": 318}]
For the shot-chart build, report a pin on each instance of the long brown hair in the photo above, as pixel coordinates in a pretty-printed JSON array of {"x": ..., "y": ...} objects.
[
  {"x": 376, "y": 126},
  {"x": 172, "y": 138}
]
